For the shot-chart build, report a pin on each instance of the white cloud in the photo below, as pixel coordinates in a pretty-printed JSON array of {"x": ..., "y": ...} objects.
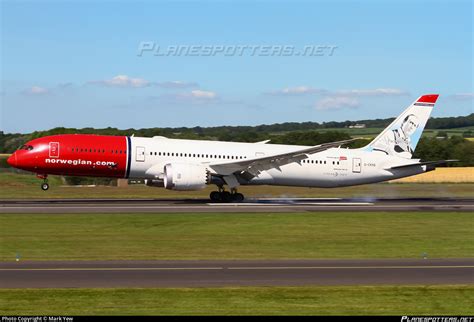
[
  {"x": 374, "y": 92},
  {"x": 336, "y": 103},
  {"x": 350, "y": 98},
  {"x": 127, "y": 81},
  {"x": 176, "y": 84},
  {"x": 123, "y": 81},
  {"x": 195, "y": 96},
  {"x": 203, "y": 94},
  {"x": 36, "y": 90},
  {"x": 462, "y": 96},
  {"x": 299, "y": 90}
]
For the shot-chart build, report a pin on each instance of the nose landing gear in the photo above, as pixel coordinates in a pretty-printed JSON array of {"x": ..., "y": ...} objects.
[{"x": 44, "y": 185}]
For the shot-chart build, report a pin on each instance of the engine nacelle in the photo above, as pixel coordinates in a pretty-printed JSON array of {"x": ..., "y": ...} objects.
[{"x": 185, "y": 176}]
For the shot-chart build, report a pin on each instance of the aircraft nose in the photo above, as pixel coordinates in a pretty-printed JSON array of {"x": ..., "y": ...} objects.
[{"x": 12, "y": 160}]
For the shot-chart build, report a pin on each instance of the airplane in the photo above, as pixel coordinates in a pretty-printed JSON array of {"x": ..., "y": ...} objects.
[{"x": 179, "y": 164}]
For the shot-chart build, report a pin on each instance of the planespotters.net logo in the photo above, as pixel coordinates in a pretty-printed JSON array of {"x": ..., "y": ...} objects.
[
  {"x": 437, "y": 319},
  {"x": 196, "y": 50},
  {"x": 81, "y": 162}
]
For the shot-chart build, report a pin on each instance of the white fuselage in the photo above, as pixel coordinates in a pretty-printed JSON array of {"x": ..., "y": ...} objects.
[{"x": 335, "y": 167}]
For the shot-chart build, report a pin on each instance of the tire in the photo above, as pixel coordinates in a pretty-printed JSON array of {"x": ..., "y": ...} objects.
[
  {"x": 226, "y": 196},
  {"x": 215, "y": 196},
  {"x": 238, "y": 197},
  {"x": 45, "y": 186}
]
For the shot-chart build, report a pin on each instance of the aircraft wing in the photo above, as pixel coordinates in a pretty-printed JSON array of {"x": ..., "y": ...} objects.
[{"x": 250, "y": 168}]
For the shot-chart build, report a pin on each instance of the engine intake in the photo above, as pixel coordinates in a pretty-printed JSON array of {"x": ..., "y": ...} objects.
[{"x": 185, "y": 176}]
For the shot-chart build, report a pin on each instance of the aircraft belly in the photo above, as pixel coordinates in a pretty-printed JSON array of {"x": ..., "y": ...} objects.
[{"x": 325, "y": 177}]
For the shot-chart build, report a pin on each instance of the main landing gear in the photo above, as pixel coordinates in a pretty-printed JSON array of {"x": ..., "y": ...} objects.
[
  {"x": 226, "y": 196},
  {"x": 44, "y": 185}
]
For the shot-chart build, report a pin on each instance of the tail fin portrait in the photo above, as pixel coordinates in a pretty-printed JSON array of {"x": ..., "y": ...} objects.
[{"x": 402, "y": 135}]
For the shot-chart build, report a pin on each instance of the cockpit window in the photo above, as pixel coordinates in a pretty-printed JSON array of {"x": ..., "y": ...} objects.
[{"x": 26, "y": 147}]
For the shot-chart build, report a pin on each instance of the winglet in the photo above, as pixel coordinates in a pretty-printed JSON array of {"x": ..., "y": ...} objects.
[{"x": 430, "y": 98}]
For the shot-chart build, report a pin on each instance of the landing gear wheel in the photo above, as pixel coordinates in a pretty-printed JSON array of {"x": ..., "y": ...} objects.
[
  {"x": 215, "y": 196},
  {"x": 238, "y": 197},
  {"x": 226, "y": 196},
  {"x": 45, "y": 186}
]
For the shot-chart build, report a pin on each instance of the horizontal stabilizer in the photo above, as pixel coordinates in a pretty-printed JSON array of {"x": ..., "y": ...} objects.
[{"x": 430, "y": 163}]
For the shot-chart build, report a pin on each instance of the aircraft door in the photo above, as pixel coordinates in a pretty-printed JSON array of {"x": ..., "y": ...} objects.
[
  {"x": 356, "y": 165},
  {"x": 140, "y": 155},
  {"x": 54, "y": 149}
]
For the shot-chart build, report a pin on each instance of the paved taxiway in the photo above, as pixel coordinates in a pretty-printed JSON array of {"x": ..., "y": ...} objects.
[
  {"x": 61, "y": 206},
  {"x": 234, "y": 273}
]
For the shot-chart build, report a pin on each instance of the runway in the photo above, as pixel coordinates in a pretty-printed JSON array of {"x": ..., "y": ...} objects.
[
  {"x": 106, "y": 274},
  {"x": 70, "y": 206}
]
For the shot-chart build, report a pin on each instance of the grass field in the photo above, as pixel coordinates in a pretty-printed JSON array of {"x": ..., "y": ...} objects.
[
  {"x": 365, "y": 300},
  {"x": 21, "y": 186},
  {"x": 237, "y": 236}
]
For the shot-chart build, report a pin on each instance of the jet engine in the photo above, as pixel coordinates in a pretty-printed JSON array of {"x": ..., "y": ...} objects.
[{"x": 185, "y": 176}]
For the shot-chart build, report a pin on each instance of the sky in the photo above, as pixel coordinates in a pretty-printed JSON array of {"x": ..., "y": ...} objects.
[{"x": 141, "y": 64}]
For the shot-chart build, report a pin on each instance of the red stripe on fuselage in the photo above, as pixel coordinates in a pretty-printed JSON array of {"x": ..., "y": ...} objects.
[{"x": 77, "y": 155}]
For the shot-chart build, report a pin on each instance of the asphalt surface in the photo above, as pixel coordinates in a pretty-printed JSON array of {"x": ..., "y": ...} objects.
[
  {"x": 70, "y": 206},
  {"x": 106, "y": 274}
]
